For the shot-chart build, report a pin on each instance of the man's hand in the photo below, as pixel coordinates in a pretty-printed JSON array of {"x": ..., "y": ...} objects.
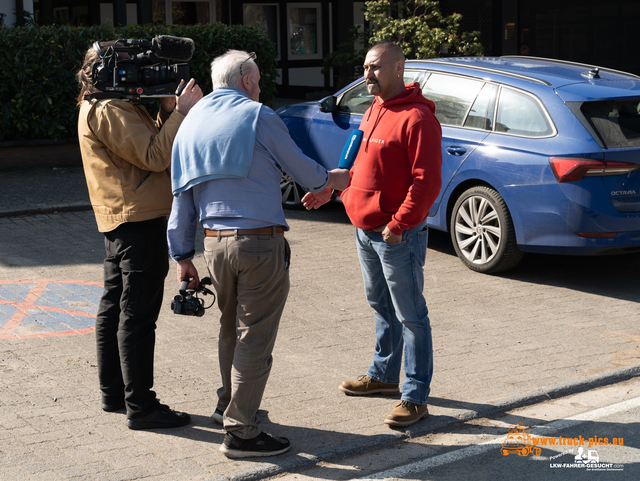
[
  {"x": 313, "y": 201},
  {"x": 168, "y": 104},
  {"x": 187, "y": 271},
  {"x": 388, "y": 236},
  {"x": 189, "y": 97},
  {"x": 338, "y": 179}
]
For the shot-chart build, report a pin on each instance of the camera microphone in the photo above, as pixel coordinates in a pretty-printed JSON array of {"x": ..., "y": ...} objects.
[
  {"x": 164, "y": 47},
  {"x": 174, "y": 48}
]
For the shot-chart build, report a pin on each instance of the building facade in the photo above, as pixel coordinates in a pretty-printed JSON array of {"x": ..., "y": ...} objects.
[{"x": 304, "y": 32}]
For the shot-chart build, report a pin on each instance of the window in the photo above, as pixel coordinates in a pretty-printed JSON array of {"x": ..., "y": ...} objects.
[
  {"x": 61, "y": 14},
  {"x": 357, "y": 100},
  {"x": 158, "y": 12},
  {"x": 265, "y": 15},
  {"x": 304, "y": 31},
  {"x": 481, "y": 114},
  {"x": 411, "y": 76},
  {"x": 186, "y": 12},
  {"x": 521, "y": 114},
  {"x": 452, "y": 95},
  {"x": 617, "y": 122},
  {"x": 107, "y": 14},
  {"x": 190, "y": 13}
]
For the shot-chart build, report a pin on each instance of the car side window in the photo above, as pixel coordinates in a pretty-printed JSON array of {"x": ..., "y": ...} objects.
[
  {"x": 521, "y": 114},
  {"x": 481, "y": 113},
  {"x": 411, "y": 76},
  {"x": 452, "y": 95},
  {"x": 357, "y": 100}
]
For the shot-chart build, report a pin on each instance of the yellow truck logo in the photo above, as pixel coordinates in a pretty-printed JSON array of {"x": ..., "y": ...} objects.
[{"x": 519, "y": 442}]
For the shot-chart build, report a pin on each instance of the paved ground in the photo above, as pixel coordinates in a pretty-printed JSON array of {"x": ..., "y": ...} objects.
[{"x": 554, "y": 325}]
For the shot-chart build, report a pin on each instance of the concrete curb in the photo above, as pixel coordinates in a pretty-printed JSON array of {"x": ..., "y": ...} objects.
[
  {"x": 355, "y": 446},
  {"x": 68, "y": 207}
]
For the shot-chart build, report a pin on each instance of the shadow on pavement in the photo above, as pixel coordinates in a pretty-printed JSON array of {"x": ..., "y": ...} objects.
[
  {"x": 611, "y": 276},
  {"x": 332, "y": 212},
  {"x": 63, "y": 239}
]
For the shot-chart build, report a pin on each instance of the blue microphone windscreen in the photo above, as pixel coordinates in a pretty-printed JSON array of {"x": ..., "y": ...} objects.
[{"x": 350, "y": 150}]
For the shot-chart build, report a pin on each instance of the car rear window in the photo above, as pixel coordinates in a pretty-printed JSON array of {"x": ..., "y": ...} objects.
[{"x": 616, "y": 122}]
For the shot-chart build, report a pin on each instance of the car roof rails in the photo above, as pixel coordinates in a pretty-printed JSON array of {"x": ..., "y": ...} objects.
[{"x": 506, "y": 73}]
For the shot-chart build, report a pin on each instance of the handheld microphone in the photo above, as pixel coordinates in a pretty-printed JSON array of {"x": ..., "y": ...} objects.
[{"x": 351, "y": 149}]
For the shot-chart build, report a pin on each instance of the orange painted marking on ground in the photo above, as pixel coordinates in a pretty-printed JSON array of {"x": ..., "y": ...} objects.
[
  {"x": 29, "y": 303},
  {"x": 22, "y": 309}
]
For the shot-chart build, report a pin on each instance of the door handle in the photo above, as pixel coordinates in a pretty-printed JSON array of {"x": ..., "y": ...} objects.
[{"x": 456, "y": 150}]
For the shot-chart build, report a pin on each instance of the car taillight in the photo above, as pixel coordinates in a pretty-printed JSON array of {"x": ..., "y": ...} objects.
[{"x": 568, "y": 169}]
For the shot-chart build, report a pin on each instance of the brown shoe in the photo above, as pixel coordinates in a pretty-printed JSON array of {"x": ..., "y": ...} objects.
[
  {"x": 365, "y": 386},
  {"x": 407, "y": 413}
]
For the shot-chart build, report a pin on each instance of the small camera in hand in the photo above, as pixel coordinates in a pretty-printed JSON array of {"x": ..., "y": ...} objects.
[{"x": 188, "y": 303}]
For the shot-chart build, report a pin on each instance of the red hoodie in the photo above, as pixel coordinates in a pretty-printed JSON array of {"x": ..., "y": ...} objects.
[{"x": 396, "y": 176}]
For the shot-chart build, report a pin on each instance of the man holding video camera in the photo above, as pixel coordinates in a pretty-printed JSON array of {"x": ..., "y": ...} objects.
[
  {"x": 226, "y": 171},
  {"x": 126, "y": 157}
]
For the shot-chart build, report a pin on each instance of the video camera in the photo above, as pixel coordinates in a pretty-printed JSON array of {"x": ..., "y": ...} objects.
[
  {"x": 140, "y": 77},
  {"x": 188, "y": 303}
]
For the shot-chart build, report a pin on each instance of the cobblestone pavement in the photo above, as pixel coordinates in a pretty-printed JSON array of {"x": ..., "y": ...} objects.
[
  {"x": 43, "y": 189},
  {"x": 552, "y": 320}
]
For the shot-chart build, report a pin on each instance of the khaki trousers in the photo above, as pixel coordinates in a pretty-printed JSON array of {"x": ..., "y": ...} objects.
[{"x": 251, "y": 278}]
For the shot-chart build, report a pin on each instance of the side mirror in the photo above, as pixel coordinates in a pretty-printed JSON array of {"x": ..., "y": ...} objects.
[{"x": 327, "y": 104}]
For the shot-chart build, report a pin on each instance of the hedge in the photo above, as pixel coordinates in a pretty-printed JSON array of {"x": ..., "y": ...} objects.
[{"x": 38, "y": 89}]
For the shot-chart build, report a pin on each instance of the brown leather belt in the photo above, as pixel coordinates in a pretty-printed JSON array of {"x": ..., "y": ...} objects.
[{"x": 229, "y": 233}]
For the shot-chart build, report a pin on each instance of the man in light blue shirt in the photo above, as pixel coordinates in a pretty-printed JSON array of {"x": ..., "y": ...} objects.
[{"x": 227, "y": 164}]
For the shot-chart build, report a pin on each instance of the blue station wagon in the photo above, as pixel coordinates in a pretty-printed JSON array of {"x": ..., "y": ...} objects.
[{"x": 538, "y": 155}]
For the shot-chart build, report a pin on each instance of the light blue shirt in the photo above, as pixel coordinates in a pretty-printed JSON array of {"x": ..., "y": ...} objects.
[
  {"x": 245, "y": 203},
  {"x": 206, "y": 146}
]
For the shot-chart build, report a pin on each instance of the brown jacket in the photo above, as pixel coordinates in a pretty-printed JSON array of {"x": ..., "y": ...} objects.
[{"x": 126, "y": 157}]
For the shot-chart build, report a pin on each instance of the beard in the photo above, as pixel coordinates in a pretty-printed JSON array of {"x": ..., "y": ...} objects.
[{"x": 373, "y": 87}]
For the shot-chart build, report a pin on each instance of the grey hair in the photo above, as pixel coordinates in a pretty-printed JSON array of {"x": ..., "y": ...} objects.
[{"x": 225, "y": 69}]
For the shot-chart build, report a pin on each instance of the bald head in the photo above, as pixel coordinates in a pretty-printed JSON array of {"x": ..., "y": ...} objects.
[
  {"x": 393, "y": 50},
  {"x": 384, "y": 70}
]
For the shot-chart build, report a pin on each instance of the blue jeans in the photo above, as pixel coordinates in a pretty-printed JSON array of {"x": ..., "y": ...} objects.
[{"x": 393, "y": 281}]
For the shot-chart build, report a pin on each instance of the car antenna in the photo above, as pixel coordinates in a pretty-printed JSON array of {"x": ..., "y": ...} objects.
[{"x": 593, "y": 73}]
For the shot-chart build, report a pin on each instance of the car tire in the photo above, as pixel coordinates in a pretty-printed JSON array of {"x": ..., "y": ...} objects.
[
  {"x": 482, "y": 232},
  {"x": 292, "y": 193}
]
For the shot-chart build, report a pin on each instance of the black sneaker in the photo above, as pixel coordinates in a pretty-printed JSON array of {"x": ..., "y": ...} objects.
[
  {"x": 112, "y": 407},
  {"x": 262, "y": 445},
  {"x": 162, "y": 417},
  {"x": 218, "y": 416}
]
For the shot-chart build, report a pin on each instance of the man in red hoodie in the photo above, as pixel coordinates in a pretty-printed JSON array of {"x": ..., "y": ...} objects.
[{"x": 394, "y": 181}]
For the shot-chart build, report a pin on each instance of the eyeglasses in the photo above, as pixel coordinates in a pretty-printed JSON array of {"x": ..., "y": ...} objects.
[{"x": 251, "y": 55}]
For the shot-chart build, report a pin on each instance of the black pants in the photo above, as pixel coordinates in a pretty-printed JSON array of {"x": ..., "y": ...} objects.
[{"x": 136, "y": 265}]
